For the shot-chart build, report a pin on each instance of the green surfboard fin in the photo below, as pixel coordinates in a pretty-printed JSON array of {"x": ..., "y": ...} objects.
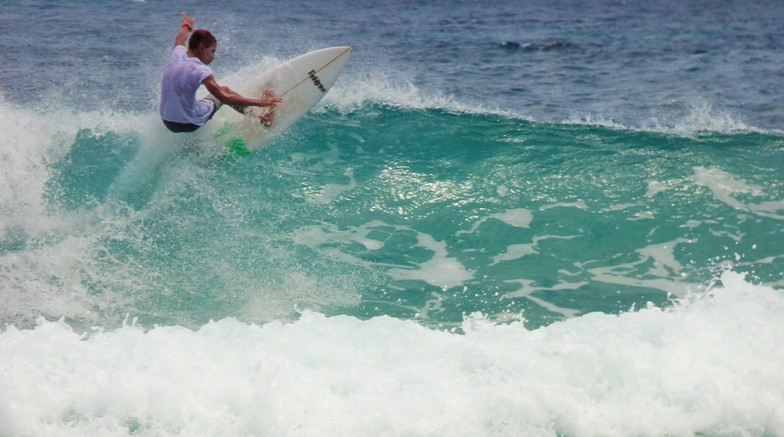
[
  {"x": 237, "y": 147},
  {"x": 235, "y": 144}
]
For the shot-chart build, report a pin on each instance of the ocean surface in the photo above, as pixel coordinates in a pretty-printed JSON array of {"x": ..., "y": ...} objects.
[{"x": 508, "y": 218}]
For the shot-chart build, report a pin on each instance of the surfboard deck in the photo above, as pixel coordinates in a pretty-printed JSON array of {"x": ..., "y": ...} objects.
[{"x": 301, "y": 82}]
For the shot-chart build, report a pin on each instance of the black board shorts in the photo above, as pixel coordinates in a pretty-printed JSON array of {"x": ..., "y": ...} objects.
[{"x": 190, "y": 127}]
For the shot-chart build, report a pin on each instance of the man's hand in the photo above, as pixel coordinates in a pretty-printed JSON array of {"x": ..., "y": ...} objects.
[
  {"x": 188, "y": 21},
  {"x": 271, "y": 101}
]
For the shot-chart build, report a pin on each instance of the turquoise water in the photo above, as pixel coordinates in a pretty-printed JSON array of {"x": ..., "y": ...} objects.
[
  {"x": 576, "y": 230},
  {"x": 424, "y": 214}
]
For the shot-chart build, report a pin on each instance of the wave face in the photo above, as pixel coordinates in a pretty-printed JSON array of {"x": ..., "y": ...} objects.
[
  {"x": 380, "y": 210},
  {"x": 576, "y": 230}
]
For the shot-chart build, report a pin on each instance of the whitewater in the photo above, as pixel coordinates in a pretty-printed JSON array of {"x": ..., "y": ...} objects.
[{"x": 704, "y": 366}]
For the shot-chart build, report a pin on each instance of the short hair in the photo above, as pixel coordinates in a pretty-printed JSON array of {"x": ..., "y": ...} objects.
[{"x": 201, "y": 36}]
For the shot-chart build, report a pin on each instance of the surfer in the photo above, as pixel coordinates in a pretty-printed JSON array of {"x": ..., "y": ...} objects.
[{"x": 186, "y": 70}]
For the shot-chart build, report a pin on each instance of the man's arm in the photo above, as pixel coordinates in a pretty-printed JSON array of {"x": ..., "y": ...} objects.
[
  {"x": 231, "y": 98},
  {"x": 185, "y": 30}
]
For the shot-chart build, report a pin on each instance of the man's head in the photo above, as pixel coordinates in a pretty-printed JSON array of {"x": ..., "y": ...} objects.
[{"x": 203, "y": 45}]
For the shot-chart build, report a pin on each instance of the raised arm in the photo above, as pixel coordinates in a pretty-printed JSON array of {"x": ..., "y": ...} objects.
[{"x": 185, "y": 30}]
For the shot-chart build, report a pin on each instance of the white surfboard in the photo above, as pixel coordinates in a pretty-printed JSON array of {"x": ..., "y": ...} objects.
[{"x": 301, "y": 82}]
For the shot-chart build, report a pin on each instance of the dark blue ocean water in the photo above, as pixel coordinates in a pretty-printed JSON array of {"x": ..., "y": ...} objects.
[
  {"x": 518, "y": 218},
  {"x": 639, "y": 63}
]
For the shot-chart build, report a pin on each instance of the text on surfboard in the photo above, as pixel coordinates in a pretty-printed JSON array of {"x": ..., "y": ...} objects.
[{"x": 316, "y": 80}]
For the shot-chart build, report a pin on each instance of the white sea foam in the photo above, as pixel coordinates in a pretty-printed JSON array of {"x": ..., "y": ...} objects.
[
  {"x": 728, "y": 189},
  {"x": 703, "y": 116},
  {"x": 27, "y": 142},
  {"x": 26, "y": 137},
  {"x": 661, "y": 265},
  {"x": 381, "y": 88},
  {"x": 527, "y": 287},
  {"x": 49, "y": 275},
  {"x": 519, "y": 217},
  {"x": 699, "y": 117},
  {"x": 725, "y": 187},
  {"x": 517, "y": 251},
  {"x": 710, "y": 365},
  {"x": 440, "y": 269}
]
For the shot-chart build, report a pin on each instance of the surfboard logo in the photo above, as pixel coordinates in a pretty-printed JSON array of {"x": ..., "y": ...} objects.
[{"x": 316, "y": 80}]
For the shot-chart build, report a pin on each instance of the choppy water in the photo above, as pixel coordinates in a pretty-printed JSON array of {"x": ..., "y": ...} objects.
[{"x": 536, "y": 219}]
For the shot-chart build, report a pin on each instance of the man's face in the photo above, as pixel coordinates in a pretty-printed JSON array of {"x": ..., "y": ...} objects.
[{"x": 207, "y": 54}]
